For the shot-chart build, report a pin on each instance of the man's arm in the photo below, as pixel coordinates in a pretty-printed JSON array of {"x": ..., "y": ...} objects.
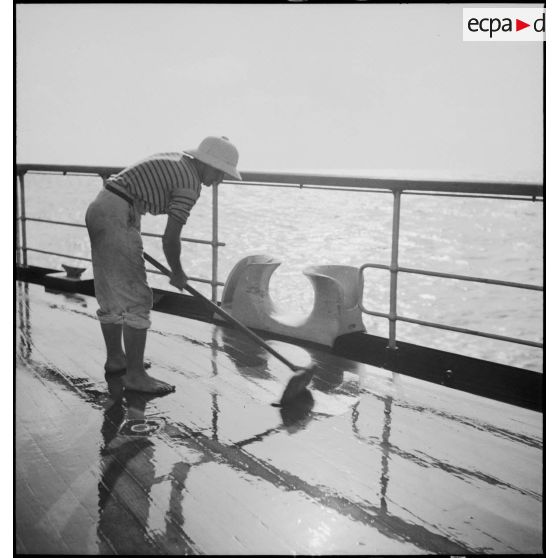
[{"x": 171, "y": 248}]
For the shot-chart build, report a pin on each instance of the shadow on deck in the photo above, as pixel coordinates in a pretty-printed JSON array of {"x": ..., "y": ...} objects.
[{"x": 367, "y": 462}]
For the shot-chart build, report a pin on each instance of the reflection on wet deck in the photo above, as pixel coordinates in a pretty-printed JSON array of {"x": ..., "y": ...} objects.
[{"x": 369, "y": 462}]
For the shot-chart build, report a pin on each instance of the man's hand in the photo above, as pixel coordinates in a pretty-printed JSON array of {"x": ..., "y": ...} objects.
[{"x": 178, "y": 280}]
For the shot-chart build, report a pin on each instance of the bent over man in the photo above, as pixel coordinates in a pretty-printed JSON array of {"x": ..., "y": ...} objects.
[{"x": 167, "y": 183}]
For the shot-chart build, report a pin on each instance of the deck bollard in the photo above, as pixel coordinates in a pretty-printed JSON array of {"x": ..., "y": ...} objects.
[{"x": 336, "y": 295}]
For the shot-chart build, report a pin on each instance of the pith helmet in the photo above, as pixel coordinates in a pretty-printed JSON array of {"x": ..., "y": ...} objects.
[{"x": 219, "y": 153}]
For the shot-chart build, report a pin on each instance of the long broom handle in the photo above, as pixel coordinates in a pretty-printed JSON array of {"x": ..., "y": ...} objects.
[{"x": 217, "y": 309}]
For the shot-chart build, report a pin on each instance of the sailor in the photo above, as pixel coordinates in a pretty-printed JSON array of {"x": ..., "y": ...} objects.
[{"x": 168, "y": 184}]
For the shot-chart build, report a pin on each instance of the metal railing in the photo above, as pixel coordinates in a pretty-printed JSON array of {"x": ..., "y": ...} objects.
[
  {"x": 396, "y": 187},
  {"x": 103, "y": 173}
]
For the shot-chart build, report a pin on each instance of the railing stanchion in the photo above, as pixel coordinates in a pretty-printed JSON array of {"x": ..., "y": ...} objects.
[
  {"x": 394, "y": 269},
  {"x": 215, "y": 244},
  {"x": 23, "y": 218},
  {"x": 18, "y": 225}
]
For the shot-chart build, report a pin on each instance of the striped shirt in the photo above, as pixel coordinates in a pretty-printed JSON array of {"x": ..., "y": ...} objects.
[{"x": 163, "y": 183}]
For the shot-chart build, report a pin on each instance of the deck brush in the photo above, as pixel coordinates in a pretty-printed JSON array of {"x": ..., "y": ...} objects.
[
  {"x": 297, "y": 384},
  {"x": 301, "y": 377}
]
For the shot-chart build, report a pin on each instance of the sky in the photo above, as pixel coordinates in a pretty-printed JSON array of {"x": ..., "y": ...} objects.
[{"x": 324, "y": 87}]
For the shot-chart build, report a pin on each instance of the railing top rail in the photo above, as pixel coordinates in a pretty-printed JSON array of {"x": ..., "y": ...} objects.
[
  {"x": 390, "y": 184},
  {"x": 78, "y": 169}
]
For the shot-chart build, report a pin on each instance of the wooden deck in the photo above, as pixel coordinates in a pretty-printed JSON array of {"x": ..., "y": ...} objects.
[{"x": 370, "y": 463}]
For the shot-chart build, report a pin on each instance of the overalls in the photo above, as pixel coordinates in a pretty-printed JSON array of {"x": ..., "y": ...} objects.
[{"x": 120, "y": 278}]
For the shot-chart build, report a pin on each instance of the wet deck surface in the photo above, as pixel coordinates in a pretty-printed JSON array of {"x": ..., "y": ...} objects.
[{"x": 370, "y": 463}]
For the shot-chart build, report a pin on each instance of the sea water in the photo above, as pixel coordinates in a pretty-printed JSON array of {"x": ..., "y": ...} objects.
[{"x": 488, "y": 238}]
